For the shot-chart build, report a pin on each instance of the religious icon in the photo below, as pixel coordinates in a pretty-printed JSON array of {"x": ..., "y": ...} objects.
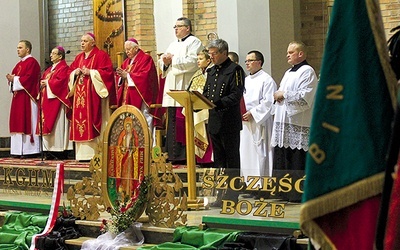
[{"x": 127, "y": 154}]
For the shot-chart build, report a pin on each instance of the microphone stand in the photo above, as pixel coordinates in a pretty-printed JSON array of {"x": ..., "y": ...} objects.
[
  {"x": 42, "y": 163},
  {"x": 191, "y": 82}
]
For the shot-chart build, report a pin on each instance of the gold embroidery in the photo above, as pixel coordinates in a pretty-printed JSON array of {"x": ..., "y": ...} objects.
[
  {"x": 81, "y": 126},
  {"x": 80, "y": 100},
  {"x": 80, "y": 97}
]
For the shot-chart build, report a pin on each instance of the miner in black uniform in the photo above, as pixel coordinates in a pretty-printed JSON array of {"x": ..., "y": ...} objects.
[{"x": 224, "y": 87}]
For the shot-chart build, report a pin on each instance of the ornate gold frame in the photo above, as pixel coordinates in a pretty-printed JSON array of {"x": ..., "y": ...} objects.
[{"x": 113, "y": 126}]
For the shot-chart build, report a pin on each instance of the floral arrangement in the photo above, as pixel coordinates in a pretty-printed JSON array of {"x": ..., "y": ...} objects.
[{"x": 128, "y": 210}]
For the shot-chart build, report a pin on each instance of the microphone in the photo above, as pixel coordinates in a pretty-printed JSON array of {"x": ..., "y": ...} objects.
[{"x": 68, "y": 51}]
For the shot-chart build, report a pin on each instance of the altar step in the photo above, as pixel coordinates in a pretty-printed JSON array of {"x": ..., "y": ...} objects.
[
  {"x": 77, "y": 243},
  {"x": 21, "y": 198},
  {"x": 28, "y": 176},
  {"x": 156, "y": 235},
  {"x": 27, "y": 184},
  {"x": 4, "y": 152},
  {"x": 91, "y": 229}
]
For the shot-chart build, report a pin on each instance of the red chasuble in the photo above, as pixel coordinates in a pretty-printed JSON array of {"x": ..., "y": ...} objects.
[
  {"x": 20, "y": 113},
  {"x": 144, "y": 74},
  {"x": 58, "y": 84},
  {"x": 86, "y": 110}
]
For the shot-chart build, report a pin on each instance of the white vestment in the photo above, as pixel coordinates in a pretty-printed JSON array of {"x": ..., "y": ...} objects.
[
  {"x": 58, "y": 139},
  {"x": 255, "y": 150},
  {"x": 293, "y": 114},
  {"x": 182, "y": 68},
  {"x": 20, "y": 143}
]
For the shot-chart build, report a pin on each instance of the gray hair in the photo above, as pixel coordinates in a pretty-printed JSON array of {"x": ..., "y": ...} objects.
[
  {"x": 220, "y": 44},
  {"x": 186, "y": 21}
]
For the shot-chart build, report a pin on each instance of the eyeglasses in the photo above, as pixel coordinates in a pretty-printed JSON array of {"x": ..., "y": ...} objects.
[
  {"x": 179, "y": 26},
  {"x": 213, "y": 53},
  {"x": 250, "y": 60}
]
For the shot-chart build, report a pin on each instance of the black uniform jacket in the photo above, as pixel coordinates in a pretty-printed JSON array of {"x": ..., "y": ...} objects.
[{"x": 224, "y": 87}]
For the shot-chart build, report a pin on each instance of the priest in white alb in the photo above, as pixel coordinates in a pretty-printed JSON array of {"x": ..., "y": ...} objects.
[{"x": 255, "y": 150}]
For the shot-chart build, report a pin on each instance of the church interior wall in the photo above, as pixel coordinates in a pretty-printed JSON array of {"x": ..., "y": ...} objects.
[
  {"x": 69, "y": 19},
  {"x": 19, "y": 19},
  {"x": 167, "y": 13},
  {"x": 284, "y": 26},
  {"x": 8, "y": 55}
]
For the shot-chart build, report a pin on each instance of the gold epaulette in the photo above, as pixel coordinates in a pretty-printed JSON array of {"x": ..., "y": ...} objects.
[{"x": 239, "y": 78}]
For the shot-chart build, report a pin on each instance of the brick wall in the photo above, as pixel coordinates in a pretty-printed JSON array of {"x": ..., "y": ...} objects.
[
  {"x": 315, "y": 18},
  {"x": 205, "y": 19},
  {"x": 390, "y": 15},
  {"x": 314, "y": 23},
  {"x": 69, "y": 19},
  {"x": 140, "y": 23},
  {"x": 203, "y": 16}
]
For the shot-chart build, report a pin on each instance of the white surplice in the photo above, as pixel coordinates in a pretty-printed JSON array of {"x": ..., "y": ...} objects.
[
  {"x": 255, "y": 150},
  {"x": 182, "y": 68},
  {"x": 293, "y": 115}
]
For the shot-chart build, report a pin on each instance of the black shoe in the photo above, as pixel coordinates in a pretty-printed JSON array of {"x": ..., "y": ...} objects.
[
  {"x": 49, "y": 157},
  {"x": 217, "y": 203},
  {"x": 29, "y": 156},
  {"x": 231, "y": 196}
]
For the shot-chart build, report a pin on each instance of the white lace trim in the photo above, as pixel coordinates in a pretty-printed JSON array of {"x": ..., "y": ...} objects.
[{"x": 289, "y": 135}]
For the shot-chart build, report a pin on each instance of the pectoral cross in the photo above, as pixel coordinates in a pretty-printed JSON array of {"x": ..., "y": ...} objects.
[{"x": 108, "y": 44}]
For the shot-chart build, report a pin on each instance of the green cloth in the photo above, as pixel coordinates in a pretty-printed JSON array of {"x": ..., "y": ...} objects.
[
  {"x": 18, "y": 229},
  {"x": 194, "y": 238}
]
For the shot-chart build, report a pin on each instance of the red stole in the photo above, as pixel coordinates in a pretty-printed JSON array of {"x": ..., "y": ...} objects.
[
  {"x": 144, "y": 74},
  {"x": 58, "y": 84},
  {"x": 86, "y": 111},
  {"x": 20, "y": 113}
]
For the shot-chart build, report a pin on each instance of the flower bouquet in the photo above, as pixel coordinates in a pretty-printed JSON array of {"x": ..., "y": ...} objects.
[{"x": 122, "y": 229}]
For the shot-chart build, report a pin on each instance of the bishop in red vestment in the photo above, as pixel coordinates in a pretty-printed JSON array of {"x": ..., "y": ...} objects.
[
  {"x": 93, "y": 91},
  {"x": 24, "y": 85},
  {"x": 55, "y": 105},
  {"x": 137, "y": 80}
]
